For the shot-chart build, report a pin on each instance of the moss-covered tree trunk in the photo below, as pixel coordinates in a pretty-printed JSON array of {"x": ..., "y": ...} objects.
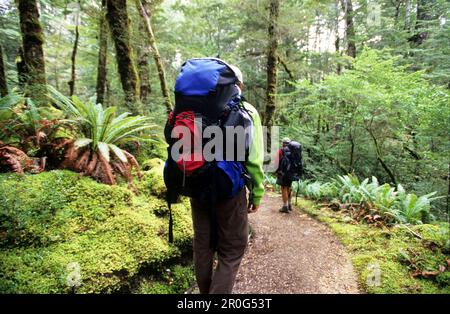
[
  {"x": 347, "y": 6},
  {"x": 33, "y": 52},
  {"x": 3, "y": 84},
  {"x": 272, "y": 59},
  {"x": 143, "y": 65},
  {"x": 144, "y": 73},
  {"x": 102, "y": 55},
  {"x": 119, "y": 26},
  {"x": 152, "y": 42},
  {"x": 337, "y": 42},
  {"x": 21, "y": 68},
  {"x": 73, "y": 73}
]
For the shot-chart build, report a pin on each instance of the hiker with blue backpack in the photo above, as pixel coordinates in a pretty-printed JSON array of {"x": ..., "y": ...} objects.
[
  {"x": 290, "y": 169},
  {"x": 215, "y": 155}
]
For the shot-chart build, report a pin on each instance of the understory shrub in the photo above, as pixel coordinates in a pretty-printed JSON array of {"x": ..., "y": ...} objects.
[{"x": 393, "y": 203}]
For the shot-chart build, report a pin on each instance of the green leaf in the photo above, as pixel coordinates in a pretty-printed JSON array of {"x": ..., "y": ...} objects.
[
  {"x": 118, "y": 152},
  {"x": 104, "y": 150},
  {"x": 81, "y": 142}
]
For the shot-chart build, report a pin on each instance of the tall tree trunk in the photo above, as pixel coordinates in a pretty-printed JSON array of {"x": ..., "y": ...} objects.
[
  {"x": 272, "y": 64},
  {"x": 117, "y": 17},
  {"x": 352, "y": 151},
  {"x": 55, "y": 64},
  {"x": 397, "y": 4},
  {"x": 318, "y": 128},
  {"x": 347, "y": 6},
  {"x": 74, "y": 52},
  {"x": 337, "y": 42},
  {"x": 21, "y": 68},
  {"x": 108, "y": 92},
  {"x": 58, "y": 49},
  {"x": 143, "y": 55},
  {"x": 141, "y": 6},
  {"x": 102, "y": 55},
  {"x": 144, "y": 73},
  {"x": 33, "y": 52},
  {"x": 3, "y": 84},
  {"x": 380, "y": 158},
  {"x": 407, "y": 15},
  {"x": 423, "y": 16}
]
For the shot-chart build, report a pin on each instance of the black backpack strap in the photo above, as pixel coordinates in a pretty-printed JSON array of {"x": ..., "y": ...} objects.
[{"x": 213, "y": 235}]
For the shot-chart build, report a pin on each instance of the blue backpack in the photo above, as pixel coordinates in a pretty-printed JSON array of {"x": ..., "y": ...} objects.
[{"x": 206, "y": 95}]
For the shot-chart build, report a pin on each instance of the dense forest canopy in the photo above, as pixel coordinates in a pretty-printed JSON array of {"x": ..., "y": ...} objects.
[{"x": 363, "y": 85}]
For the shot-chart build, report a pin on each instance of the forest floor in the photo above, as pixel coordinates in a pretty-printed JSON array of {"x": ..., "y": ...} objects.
[{"x": 293, "y": 253}]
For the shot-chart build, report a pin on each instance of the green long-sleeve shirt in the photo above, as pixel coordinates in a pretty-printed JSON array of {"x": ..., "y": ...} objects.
[{"x": 255, "y": 160}]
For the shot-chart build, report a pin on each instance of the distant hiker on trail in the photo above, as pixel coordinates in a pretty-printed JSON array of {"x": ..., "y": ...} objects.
[
  {"x": 208, "y": 104},
  {"x": 290, "y": 168}
]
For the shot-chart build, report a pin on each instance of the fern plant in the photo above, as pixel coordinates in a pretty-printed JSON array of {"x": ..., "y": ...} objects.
[
  {"x": 413, "y": 209},
  {"x": 95, "y": 149},
  {"x": 350, "y": 189},
  {"x": 393, "y": 203}
]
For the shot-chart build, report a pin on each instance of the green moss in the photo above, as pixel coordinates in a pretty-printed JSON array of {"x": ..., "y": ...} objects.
[
  {"x": 152, "y": 163},
  {"x": 394, "y": 253},
  {"x": 152, "y": 183},
  {"x": 151, "y": 150},
  {"x": 174, "y": 280},
  {"x": 54, "y": 220}
]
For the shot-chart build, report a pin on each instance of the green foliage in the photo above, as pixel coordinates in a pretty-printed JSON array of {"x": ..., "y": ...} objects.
[
  {"x": 375, "y": 119},
  {"x": 393, "y": 203},
  {"x": 157, "y": 148},
  {"x": 395, "y": 254},
  {"x": 54, "y": 219},
  {"x": 151, "y": 182},
  {"x": 173, "y": 281},
  {"x": 270, "y": 182},
  {"x": 316, "y": 190},
  {"x": 413, "y": 209},
  {"x": 100, "y": 128},
  {"x": 26, "y": 124}
]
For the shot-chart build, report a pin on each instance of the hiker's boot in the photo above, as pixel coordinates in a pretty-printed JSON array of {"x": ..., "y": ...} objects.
[
  {"x": 284, "y": 209},
  {"x": 289, "y": 207}
]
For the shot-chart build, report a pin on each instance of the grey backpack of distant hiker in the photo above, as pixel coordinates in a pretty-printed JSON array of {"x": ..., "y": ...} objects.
[{"x": 292, "y": 162}]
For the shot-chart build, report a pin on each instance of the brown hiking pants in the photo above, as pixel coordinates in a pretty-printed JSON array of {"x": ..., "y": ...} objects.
[{"x": 232, "y": 241}]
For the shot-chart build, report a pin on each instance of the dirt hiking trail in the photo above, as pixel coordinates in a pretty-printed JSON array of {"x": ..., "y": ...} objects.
[{"x": 293, "y": 253}]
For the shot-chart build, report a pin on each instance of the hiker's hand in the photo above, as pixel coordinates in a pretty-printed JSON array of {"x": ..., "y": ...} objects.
[{"x": 252, "y": 208}]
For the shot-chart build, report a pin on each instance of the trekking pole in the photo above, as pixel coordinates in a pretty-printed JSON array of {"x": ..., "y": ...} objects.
[
  {"x": 169, "y": 204},
  {"x": 170, "y": 224},
  {"x": 296, "y": 193}
]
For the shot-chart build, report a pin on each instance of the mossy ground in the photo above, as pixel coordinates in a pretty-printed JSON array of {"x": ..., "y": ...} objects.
[
  {"x": 175, "y": 279},
  {"x": 59, "y": 229},
  {"x": 386, "y": 258}
]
